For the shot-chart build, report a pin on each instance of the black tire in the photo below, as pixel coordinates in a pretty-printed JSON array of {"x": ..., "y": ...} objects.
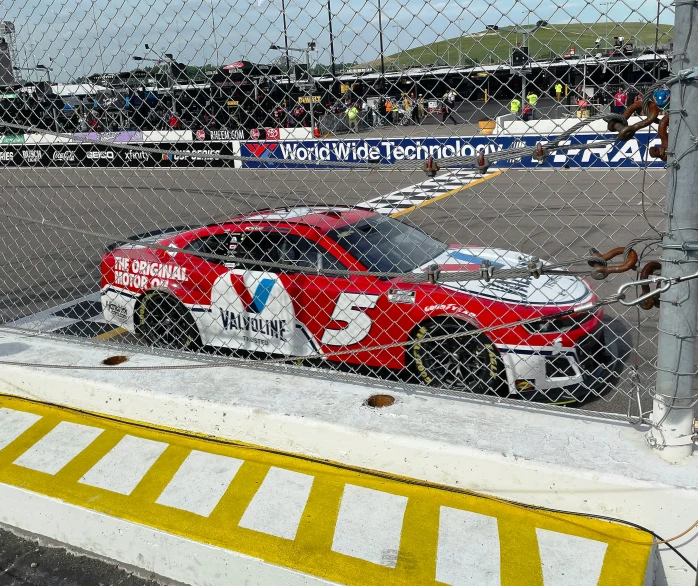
[
  {"x": 164, "y": 322},
  {"x": 465, "y": 363}
]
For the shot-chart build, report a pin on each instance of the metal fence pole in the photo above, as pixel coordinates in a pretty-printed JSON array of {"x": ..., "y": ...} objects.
[
  {"x": 676, "y": 360},
  {"x": 311, "y": 86}
]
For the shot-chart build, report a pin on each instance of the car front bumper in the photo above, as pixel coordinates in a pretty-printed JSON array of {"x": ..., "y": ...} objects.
[{"x": 565, "y": 375}]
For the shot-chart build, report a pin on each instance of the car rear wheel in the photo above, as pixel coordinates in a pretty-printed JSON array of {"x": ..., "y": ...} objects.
[
  {"x": 467, "y": 363},
  {"x": 164, "y": 322}
]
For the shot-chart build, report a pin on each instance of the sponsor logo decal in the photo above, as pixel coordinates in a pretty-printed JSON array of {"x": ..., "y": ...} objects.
[
  {"x": 262, "y": 150},
  {"x": 633, "y": 152},
  {"x": 238, "y": 134},
  {"x": 200, "y": 135},
  {"x": 273, "y": 133},
  {"x": 7, "y": 156},
  {"x": 273, "y": 328},
  {"x": 13, "y": 139},
  {"x": 124, "y": 136},
  {"x": 66, "y": 156},
  {"x": 118, "y": 311},
  {"x": 140, "y": 274},
  {"x": 261, "y": 295},
  {"x": 135, "y": 156},
  {"x": 97, "y": 155},
  {"x": 401, "y": 296},
  {"x": 250, "y": 321},
  {"x": 254, "y": 134},
  {"x": 449, "y": 307},
  {"x": 31, "y": 156}
]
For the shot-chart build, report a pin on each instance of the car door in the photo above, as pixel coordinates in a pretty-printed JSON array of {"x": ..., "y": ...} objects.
[
  {"x": 335, "y": 311},
  {"x": 252, "y": 305},
  {"x": 200, "y": 274}
]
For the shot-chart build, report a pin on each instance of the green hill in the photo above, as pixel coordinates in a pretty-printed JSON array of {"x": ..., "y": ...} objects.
[{"x": 555, "y": 39}]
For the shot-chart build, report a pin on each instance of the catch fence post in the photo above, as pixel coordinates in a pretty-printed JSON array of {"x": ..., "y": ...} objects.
[{"x": 672, "y": 430}]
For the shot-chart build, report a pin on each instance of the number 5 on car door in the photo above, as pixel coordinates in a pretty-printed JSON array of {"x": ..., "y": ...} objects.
[{"x": 349, "y": 310}]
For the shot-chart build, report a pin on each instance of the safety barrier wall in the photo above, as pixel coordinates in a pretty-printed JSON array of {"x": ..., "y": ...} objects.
[
  {"x": 169, "y": 150},
  {"x": 633, "y": 153}
]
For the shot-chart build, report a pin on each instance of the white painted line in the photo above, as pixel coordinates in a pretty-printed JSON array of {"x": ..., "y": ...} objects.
[
  {"x": 369, "y": 525},
  {"x": 568, "y": 559},
  {"x": 468, "y": 551},
  {"x": 13, "y": 424},
  {"x": 200, "y": 483},
  {"x": 58, "y": 447},
  {"x": 125, "y": 465},
  {"x": 277, "y": 507}
]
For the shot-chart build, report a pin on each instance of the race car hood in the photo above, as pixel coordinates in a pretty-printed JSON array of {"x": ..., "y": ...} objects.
[{"x": 558, "y": 289}]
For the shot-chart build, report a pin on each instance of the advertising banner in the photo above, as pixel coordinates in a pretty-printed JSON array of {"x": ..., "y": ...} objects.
[
  {"x": 89, "y": 155},
  {"x": 22, "y": 150},
  {"x": 633, "y": 153},
  {"x": 12, "y": 139},
  {"x": 121, "y": 136}
]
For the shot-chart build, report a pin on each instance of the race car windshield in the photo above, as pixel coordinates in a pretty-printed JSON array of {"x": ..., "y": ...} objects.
[{"x": 387, "y": 246}]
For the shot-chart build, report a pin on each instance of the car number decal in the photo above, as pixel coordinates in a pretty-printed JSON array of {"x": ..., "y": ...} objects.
[{"x": 349, "y": 310}]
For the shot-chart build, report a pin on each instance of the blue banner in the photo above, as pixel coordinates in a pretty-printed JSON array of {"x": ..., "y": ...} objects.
[{"x": 632, "y": 153}]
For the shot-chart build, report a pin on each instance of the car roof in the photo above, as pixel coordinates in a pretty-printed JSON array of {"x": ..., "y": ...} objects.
[{"x": 322, "y": 218}]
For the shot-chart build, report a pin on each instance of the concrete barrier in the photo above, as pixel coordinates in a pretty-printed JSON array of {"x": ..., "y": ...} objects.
[{"x": 561, "y": 460}]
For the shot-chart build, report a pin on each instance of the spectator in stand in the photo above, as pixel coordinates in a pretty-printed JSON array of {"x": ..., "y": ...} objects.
[
  {"x": 299, "y": 115},
  {"x": 279, "y": 116},
  {"x": 415, "y": 109},
  {"x": 661, "y": 97},
  {"x": 638, "y": 98},
  {"x": 449, "y": 100},
  {"x": 406, "y": 103},
  {"x": 620, "y": 101},
  {"x": 93, "y": 122},
  {"x": 366, "y": 114},
  {"x": 173, "y": 122},
  {"x": 527, "y": 113},
  {"x": 582, "y": 108},
  {"x": 382, "y": 111}
]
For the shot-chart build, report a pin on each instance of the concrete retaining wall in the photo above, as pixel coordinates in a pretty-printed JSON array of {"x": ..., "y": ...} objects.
[{"x": 562, "y": 461}]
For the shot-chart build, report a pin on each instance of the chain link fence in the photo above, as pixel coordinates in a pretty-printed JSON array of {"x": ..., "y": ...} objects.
[{"x": 452, "y": 198}]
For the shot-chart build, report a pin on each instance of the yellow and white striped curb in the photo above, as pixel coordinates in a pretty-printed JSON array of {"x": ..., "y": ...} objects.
[{"x": 327, "y": 520}]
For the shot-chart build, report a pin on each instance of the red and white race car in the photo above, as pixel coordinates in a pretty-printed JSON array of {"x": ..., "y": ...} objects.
[{"x": 180, "y": 299}]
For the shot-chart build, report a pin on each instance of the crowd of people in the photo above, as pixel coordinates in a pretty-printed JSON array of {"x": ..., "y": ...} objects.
[
  {"x": 588, "y": 100},
  {"x": 527, "y": 109},
  {"x": 402, "y": 110}
]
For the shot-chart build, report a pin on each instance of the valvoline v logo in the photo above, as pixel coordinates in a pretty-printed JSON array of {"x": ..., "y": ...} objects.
[
  {"x": 262, "y": 150},
  {"x": 261, "y": 295}
]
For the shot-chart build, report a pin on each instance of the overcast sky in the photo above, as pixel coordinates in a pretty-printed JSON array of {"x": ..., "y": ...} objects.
[{"x": 88, "y": 36}]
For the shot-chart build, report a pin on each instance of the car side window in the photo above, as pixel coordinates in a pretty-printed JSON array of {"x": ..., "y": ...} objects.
[
  {"x": 218, "y": 244},
  {"x": 304, "y": 253},
  {"x": 258, "y": 246}
]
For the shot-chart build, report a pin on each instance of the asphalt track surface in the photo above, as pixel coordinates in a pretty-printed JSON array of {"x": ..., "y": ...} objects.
[
  {"x": 24, "y": 562},
  {"x": 552, "y": 214}
]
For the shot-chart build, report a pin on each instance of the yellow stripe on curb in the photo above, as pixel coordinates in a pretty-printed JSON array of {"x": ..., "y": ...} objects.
[
  {"x": 328, "y": 520},
  {"x": 111, "y": 334},
  {"x": 484, "y": 178}
]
